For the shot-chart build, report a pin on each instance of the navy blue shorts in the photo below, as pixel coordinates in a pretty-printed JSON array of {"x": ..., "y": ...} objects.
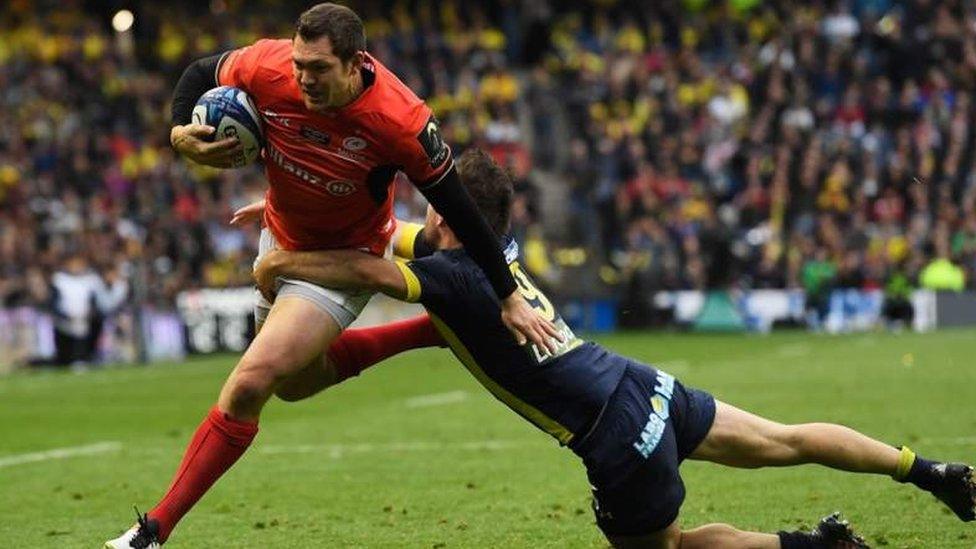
[{"x": 650, "y": 425}]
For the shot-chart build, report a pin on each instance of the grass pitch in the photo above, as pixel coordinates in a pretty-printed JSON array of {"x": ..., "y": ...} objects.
[{"x": 415, "y": 454}]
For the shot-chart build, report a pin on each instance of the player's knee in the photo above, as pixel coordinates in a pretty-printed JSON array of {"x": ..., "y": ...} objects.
[
  {"x": 248, "y": 392},
  {"x": 266, "y": 370},
  {"x": 250, "y": 388}
]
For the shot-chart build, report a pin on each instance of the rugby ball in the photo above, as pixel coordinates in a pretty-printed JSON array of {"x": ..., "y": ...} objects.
[{"x": 234, "y": 114}]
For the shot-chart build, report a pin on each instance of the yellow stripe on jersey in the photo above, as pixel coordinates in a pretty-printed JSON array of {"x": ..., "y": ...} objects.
[
  {"x": 413, "y": 283},
  {"x": 526, "y": 410},
  {"x": 406, "y": 235}
]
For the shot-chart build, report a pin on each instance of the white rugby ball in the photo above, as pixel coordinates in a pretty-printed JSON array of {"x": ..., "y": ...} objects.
[{"x": 232, "y": 111}]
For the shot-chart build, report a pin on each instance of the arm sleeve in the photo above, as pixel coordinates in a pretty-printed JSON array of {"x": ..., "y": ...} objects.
[
  {"x": 199, "y": 77},
  {"x": 426, "y": 159},
  {"x": 449, "y": 197}
]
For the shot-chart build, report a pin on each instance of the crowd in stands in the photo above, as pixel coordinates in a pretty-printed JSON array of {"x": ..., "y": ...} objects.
[
  {"x": 807, "y": 144},
  {"x": 753, "y": 144},
  {"x": 87, "y": 175}
]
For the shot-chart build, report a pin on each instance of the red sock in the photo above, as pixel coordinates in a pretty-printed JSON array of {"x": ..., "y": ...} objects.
[
  {"x": 359, "y": 348},
  {"x": 217, "y": 444}
]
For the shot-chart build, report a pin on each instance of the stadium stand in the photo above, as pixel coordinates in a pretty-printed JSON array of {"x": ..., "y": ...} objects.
[{"x": 695, "y": 145}]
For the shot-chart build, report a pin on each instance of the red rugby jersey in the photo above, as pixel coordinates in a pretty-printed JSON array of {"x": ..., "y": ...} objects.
[{"x": 330, "y": 173}]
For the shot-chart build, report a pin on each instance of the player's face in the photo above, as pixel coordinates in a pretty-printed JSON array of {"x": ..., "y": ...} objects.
[
  {"x": 432, "y": 228},
  {"x": 324, "y": 79}
]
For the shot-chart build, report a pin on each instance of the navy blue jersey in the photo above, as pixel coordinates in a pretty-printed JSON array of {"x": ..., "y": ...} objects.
[{"x": 561, "y": 394}]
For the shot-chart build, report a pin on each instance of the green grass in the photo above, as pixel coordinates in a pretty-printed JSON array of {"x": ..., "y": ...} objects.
[{"x": 358, "y": 467}]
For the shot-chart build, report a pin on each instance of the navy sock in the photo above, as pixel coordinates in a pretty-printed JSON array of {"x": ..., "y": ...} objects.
[
  {"x": 796, "y": 540},
  {"x": 923, "y": 474}
]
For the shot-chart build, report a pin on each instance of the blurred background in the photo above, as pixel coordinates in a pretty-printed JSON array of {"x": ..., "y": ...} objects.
[{"x": 704, "y": 165}]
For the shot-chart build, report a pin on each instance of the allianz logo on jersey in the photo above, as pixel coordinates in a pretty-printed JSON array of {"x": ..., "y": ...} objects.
[
  {"x": 340, "y": 188},
  {"x": 287, "y": 165},
  {"x": 336, "y": 187}
]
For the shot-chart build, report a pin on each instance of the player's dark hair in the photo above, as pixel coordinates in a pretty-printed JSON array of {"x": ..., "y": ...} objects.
[
  {"x": 339, "y": 24},
  {"x": 489, "y": 185}
]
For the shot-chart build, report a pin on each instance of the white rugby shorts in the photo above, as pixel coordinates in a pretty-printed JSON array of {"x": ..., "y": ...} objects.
[{"x": 343, "y": 305}]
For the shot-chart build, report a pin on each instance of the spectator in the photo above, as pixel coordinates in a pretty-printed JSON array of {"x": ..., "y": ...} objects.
[
  {"x": 81, "y": 299},
  {"x": 819, "y": 277},
  {"x": 792, "y": 129},
  {"x": 898, "y": 309},
  {"x": 942, "y": 274},
  {"x": 799, "y": 123}
]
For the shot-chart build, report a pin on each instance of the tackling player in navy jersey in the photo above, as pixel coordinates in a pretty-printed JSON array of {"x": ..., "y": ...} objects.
[{"x": 631, "y": 424}]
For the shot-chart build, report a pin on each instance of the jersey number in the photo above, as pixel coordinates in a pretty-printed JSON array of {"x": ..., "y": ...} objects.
[{"x": 536, "y": 299}]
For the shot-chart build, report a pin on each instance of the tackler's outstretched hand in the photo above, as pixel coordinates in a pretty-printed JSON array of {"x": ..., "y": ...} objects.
[{"x": 251, "y": 213}]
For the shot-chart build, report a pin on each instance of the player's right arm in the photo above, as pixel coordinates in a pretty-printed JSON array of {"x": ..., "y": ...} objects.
[{"x": 339, "y": 269}]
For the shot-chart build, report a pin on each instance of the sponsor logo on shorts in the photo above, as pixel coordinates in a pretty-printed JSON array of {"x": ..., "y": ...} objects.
[
  {"x": 651, "y": 435},
  {"x": 340, "y": 188}
]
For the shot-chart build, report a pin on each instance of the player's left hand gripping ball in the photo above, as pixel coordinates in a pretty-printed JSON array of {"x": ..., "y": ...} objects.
[{"x": 233, "y": 113}]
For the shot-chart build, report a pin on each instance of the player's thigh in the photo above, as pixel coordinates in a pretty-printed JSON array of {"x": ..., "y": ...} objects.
[
  {"x": 668, "y": 538},
  {"x": 295, "y": 332},
  {"x": 741, "y": 439}
]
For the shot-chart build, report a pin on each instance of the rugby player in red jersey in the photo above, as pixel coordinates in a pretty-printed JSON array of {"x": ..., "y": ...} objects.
[{"x": 338, "y": 125}]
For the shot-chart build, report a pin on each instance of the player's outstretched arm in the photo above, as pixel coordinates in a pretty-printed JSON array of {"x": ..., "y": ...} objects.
[{"x": 340, "y": 269}]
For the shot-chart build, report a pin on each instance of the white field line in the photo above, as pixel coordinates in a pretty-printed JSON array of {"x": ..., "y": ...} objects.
[
  {"x": 337, "y": 451},
  {"x": 60, "y": 453},
  {"x": 952, "y": 441},
  {"x": 438, "y": 399}
]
